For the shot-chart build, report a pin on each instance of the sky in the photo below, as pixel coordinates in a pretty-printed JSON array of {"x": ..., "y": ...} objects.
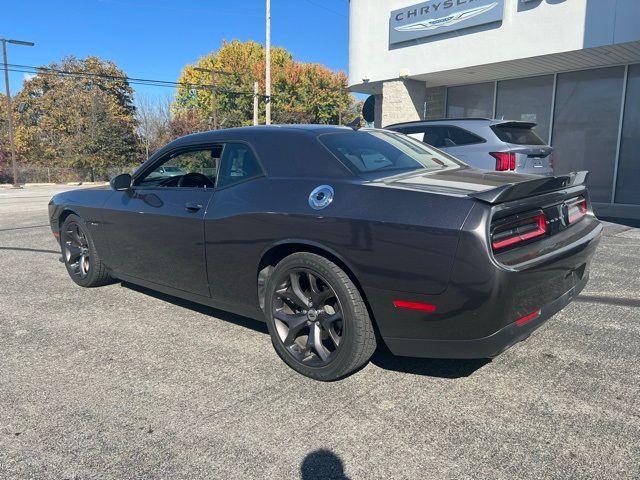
[{"x": 156, "y": 38}]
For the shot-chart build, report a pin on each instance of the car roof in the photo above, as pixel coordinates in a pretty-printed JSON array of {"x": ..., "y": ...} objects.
[
  {"x": 256, "y": 131},
  {"x": 283, "y": 150}
]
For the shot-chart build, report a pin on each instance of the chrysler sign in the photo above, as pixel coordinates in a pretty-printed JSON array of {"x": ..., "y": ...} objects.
[{"x": 439, "y": 16}]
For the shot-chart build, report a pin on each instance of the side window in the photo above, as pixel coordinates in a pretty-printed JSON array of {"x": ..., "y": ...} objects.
[
  {"x": 414, "y": 132},
  {"x": 435, "y": 136},
  {"x": 238, "y": 164},
  {"x": 192, "y": 168},
  {"x": 459, "y": 136}
]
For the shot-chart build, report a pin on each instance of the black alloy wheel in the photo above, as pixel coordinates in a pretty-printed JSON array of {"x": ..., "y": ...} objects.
[
  {"x": 318, "y": 321},
  {"x": 308, "y": 317},
  {"x": 75, "y": 248},
  {"x": 84, "y": 265}
]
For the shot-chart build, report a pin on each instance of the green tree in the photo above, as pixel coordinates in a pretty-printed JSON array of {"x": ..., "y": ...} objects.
[
  {"x": 301, "y": 92},
  {"x": 78, "y": 113}
]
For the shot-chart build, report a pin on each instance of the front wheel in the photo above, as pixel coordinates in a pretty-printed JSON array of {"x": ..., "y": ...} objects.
[
  {"x": 317, "y": 319},
  {"x": 80, "y": 255}
]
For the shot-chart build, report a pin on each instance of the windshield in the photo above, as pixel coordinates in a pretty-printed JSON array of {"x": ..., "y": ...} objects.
[{"x": 378, "y": 154}]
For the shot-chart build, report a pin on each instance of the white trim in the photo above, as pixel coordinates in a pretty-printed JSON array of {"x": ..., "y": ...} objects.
[
  {"x": 501, "y": 79},
  {"x": 620, "y": 125}
]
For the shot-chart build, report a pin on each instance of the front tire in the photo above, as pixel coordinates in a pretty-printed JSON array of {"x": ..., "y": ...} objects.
[
  {"x": 318, "y": 321},
  {"x": 84, "y": 265}
]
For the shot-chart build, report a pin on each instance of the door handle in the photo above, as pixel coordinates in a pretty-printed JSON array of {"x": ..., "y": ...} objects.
[{"x": 192, "y": 206}]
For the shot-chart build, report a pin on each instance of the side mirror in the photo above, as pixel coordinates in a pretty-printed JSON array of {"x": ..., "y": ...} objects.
[{"x": 121, "y": 182}]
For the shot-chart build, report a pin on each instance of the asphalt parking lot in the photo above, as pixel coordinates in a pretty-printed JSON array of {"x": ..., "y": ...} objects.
[{"x": 117, "y": 382}]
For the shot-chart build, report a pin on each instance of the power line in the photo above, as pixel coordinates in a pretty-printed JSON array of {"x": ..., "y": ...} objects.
[
  {"x": 30, "y": 69},
  {"x": 133, "y": 80},
  {"x": 318, "y": 5}
]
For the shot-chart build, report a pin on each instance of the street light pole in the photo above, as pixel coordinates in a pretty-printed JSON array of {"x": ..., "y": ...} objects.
[
  {"x": 9, "y": 112},
  {"x": 268, "y": 66}
]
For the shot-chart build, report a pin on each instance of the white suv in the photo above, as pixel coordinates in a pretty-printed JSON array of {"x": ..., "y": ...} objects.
[{"x": 502, "y": 145}]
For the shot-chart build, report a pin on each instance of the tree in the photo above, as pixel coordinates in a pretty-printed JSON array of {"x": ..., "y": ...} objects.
[
  {"x": 301, "y": 92},
  {"x": 154, "y": 122},
  {"x": 79, "y": 114}
]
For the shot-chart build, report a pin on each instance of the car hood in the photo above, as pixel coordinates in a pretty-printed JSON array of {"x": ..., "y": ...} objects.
[{"x": 457, "y": 180}]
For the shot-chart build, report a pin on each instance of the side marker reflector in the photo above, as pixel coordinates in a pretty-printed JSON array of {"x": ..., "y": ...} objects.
[
  {"x": 56, "y": 234},
  {"x": 425, "y": 307},
  {"x": 527, "y": 318}
]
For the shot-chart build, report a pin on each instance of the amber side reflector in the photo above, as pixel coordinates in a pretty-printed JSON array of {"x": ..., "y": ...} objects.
[
  {"x": 527, "y": 318},
  {"x": 425, "y": 307}
]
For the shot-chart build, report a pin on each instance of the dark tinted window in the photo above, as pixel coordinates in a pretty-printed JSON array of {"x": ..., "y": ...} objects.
[
  {"x": 200, "y": 164},
  {"x": 238, "y": 164},
  {"x": 435, "y": 136},
  {"x": 373, "y": 151},
  {"x": 519, "y": 134},
  {"x": 442, "y": 136},
  {"x": 457, "y": 136}
]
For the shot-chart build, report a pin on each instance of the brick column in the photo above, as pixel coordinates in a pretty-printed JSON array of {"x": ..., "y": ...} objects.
[{"x": 402, "y": 101}]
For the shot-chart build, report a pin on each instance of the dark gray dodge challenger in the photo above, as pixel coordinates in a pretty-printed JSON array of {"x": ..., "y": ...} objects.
[{"x": 340, "y": 240}]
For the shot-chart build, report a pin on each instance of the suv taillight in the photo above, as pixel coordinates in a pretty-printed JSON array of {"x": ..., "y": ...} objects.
[
  {"x": 504, "y": 160},
  {"x": 577, "y": 208},
  {"x": 510, "y": 233}
]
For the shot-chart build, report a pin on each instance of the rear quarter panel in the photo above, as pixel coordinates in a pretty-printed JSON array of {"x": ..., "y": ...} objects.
[{"x": 390, "y": 238}]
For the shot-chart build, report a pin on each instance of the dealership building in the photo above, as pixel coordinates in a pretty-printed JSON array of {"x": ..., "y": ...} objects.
[{"x": 570, "y": 66}]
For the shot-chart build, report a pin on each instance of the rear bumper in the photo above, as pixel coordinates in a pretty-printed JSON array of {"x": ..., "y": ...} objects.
[
  {"x": 475, "y": 317},
  {"x": 486, "y": 347}
]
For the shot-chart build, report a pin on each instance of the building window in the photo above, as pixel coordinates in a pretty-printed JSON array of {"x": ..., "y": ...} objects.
[
  {"x": 469, "y": 101},
  {"x": 528, "y": 100},
  {"x": 585, "y": 126},
  {"x": 628, "y": 183}
]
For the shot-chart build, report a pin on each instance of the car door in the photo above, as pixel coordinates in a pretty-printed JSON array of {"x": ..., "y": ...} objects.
[{"x": 156, "y": 228}]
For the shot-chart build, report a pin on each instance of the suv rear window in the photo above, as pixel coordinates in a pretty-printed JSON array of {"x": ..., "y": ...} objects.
[
  {"x": 517, "y": 133},
  {"x": 442, "y": 136},
  {"x": 375, "y": 152}
]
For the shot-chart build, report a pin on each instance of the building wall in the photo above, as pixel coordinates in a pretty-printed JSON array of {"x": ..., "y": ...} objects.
[
  {"x": 403, "y": 100},
  {"x": 436, "y": 99},
  {"x": 532, "y": 29},
  {"x": 550, "y": 27}
]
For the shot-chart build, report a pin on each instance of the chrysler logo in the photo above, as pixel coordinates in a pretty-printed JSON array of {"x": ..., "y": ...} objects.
[
  {"x": 446, "y": 20},
  {"x": 435, "y": 17}
]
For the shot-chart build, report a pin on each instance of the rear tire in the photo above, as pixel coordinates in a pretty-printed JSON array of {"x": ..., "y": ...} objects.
[
  {"x": 318, "y": 321},
  {"x": 80, "y": 256}
]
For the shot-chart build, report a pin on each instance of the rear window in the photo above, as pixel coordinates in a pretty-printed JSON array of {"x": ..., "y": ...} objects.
[
  {"x": 378, "y": 153},
  {"x": 442, "y": 136},
  {"x": 519, "y": 134}
]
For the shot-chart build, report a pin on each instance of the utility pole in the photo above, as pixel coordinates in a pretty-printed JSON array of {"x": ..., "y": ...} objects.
[
  {"x": 9, "y": 112},
  {"x": 256, "y": 93},
  {"x": 268, "y": 66},
  {"x": 214, "y": 87}
]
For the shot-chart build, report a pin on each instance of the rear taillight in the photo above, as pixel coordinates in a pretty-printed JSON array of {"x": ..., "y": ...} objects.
[
  {"x": 518, "y": 231},
  {"x": 577, "y": 208},
  {"x": 504, "y": 160}
]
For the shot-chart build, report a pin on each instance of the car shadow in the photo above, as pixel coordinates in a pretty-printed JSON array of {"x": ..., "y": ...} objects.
[
  {"x": 199, "y": 308},
  {"x": 382, "y": 358},
  {"x": 428, "y": 367}
]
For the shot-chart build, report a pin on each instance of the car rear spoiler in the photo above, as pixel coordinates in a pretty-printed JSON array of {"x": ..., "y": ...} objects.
[{"x": 530, "y": 188}]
